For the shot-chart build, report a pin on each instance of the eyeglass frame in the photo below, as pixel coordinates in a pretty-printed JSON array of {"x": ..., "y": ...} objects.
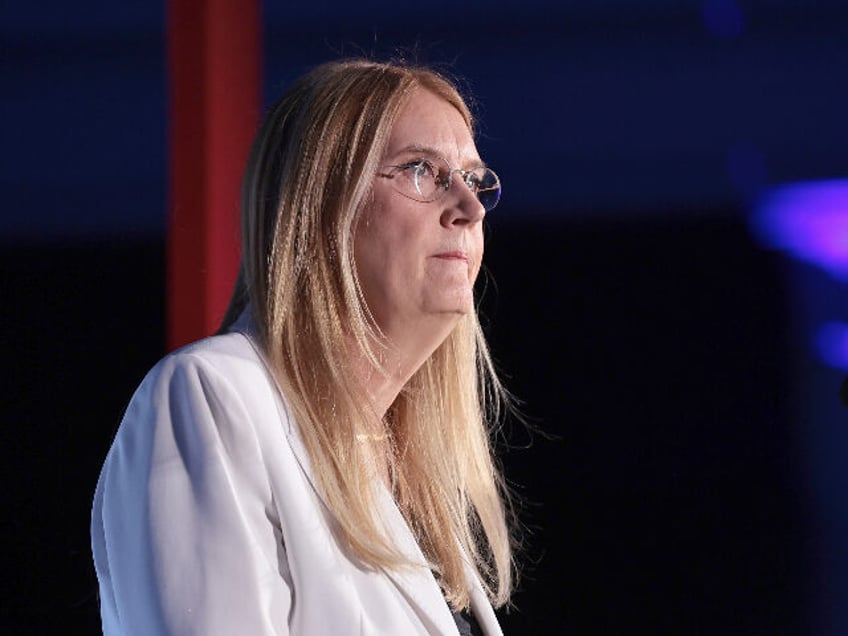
[{"x": 443, "y": 188}]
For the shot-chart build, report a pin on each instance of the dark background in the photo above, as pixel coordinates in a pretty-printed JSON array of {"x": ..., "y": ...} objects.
[{"x": 687, "y": 475}]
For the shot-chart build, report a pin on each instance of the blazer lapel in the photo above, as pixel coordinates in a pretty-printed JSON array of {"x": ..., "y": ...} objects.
[
  {"x": 416, "y": 583},
  {"x": 480, "y": 604},
  {"x": 246, "y": 326}
]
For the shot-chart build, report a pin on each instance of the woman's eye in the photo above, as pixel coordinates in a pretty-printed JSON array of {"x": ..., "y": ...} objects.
[{"x": 424, "y": 168}]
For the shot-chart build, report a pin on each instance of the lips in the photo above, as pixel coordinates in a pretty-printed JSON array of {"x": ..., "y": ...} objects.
[{"x": 453, "y": 256}]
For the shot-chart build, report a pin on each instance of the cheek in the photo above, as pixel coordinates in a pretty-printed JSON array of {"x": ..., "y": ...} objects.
[
  {"x": 384, "y": 247},
  {"x": 391, "y": 227},
  {"x": 478, "y": 251}
]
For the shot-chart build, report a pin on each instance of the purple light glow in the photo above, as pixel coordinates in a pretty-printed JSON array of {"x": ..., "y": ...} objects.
[
  {"x": 832, "y": 344},
  {"x": 808, "y": 221}
]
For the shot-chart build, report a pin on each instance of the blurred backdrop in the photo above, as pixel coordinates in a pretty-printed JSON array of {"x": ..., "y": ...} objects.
[{"x": 666, "y": 289}]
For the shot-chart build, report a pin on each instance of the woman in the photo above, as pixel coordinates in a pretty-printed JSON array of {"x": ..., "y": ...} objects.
[{"x": 323, "y": 465}]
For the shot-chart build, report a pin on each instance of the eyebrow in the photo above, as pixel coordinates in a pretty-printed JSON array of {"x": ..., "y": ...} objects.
[{"x": 431, "y": 152}]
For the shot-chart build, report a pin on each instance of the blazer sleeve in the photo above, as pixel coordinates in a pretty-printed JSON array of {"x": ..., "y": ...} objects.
[{"x": 184, "y": 529}]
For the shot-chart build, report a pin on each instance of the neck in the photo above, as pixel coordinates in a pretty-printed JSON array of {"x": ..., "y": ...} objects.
[{"x": 404, "y": 354}]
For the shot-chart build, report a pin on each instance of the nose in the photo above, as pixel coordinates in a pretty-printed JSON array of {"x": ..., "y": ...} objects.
[{"x": 461, "y": 205}]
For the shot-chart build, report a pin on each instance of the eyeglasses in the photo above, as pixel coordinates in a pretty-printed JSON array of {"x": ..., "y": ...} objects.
[{"x": 427, "y": 179}]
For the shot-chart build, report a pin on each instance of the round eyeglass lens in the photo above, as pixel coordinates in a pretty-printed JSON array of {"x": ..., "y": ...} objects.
[
  {"x": 427, "y": 176},
  {"x": 488, "y": 189}
]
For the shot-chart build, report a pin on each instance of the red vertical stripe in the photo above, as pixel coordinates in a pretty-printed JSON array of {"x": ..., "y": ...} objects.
[{"x": 214, "y": 52}]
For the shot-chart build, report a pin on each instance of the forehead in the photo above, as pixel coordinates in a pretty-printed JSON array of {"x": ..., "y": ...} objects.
[{"x": 427, "y": 121}]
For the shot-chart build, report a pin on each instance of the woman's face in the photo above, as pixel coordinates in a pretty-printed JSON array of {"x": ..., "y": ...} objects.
[{"x": 417, "y": 261}]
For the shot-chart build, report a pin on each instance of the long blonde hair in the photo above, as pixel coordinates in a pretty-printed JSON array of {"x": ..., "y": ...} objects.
[{"x": 307, "y": 182}]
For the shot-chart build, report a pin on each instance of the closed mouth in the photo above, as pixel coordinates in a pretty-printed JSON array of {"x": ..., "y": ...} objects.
[{"x": 451, "y": 256}]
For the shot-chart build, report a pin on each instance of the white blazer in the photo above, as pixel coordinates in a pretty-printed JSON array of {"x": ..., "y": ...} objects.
[{"x": 207, "y": 519}]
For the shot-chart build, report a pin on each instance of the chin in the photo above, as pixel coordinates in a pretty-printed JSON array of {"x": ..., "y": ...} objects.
[
  {"x": 455, "y": 307},
  {"x": 457, "y": 312}
]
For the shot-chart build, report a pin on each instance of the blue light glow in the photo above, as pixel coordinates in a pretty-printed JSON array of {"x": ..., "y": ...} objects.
[
  {"x": 809, "y": 221},
  {"x": 832, "y": 344}
]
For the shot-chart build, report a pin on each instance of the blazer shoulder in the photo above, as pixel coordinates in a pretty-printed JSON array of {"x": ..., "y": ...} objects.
[
  {"x": 229, "y": 358},
  {"x": 222, "y": 379},
  {"x": 219, "y": 351}
]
